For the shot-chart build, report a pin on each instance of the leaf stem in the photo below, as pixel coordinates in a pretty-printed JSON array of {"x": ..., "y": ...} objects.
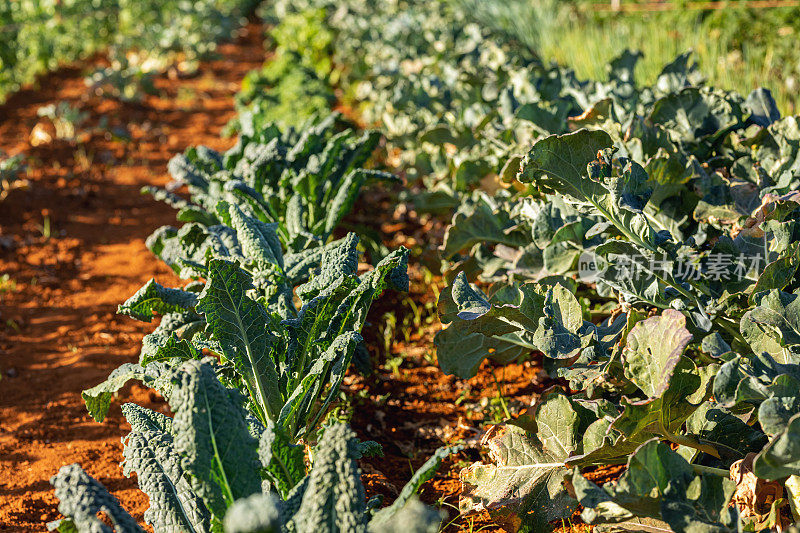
[
  {"x": 688, "y": 441},
  {"x": 721, "y": 321},
  {"x": 701, "y": 469},
  {"x": 226, "y": 486}
]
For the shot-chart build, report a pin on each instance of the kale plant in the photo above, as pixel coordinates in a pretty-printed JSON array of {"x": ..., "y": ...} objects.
[
  {"x": 214, "y": 467},
  {"x": 280, "y": 304},
  {"x": 304, "y": 181}
]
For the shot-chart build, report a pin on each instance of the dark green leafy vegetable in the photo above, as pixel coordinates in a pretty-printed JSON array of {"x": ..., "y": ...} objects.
[
  {"x": 81, "y": 498},
  {"x": 202, "y": 475}
]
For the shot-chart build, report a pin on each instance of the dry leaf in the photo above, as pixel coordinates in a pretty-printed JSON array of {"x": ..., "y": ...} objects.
[
  {"x": 753, "y": 496},
  {"x": 42, "y": 133},
  {"x": 752, "y": 226}
]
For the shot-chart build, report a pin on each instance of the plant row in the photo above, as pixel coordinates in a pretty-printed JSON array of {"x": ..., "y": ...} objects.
[
  {"x": 644, "y": 240},
  {"x": 39, "y": 36},
  {"x": 251, "y": 352}
]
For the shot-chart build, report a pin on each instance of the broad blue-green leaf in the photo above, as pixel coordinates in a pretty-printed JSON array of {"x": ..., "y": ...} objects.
[
  {"x": 692, "y": 114},
  {"x": 762, "y": 107},
  {"x": 704, "y": 505},
  {"x": 654, "y": 348},
  {"x": 557, "y": 332},
  {"x": 779, "y": 273},
  {"x": 781, "y": 457},
  {"x": 548, "y": 120},
  {"x": 640, "y": 490},
  {"x": 714, "y": 345},
  {"x": 494, "y": 327},
  {"x": 556, "y": 423},
  {"x": 563, "y": 163},
  {"x": 663, "y": 416},
  {"x": 519, "y": 318},
  {"x": 783, "y": 402},
  {"x": 558, "y": 163},
  {"x": 481, "y": 221},
  {"x": 461, "y": 353},
  {"x": 737, "y": 382},
  {"x": 677, "y": 74},
  {"x": 521, "y": 478},
  {"x": 716, "y": 426},
  {"x": 773, "y": 326},
  {"x": 660, "y": 485}
]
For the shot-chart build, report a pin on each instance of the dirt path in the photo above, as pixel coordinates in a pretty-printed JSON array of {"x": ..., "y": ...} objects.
[{"x": 59, "y": 332}]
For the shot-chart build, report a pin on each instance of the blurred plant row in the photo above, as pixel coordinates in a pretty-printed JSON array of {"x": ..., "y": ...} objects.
[
  {"x": 737, "y": 47},
  {"x": 38, "y": 36}
]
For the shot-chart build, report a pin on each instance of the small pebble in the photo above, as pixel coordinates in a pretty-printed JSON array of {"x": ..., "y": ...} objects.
[{"x": 11, "y": 372}]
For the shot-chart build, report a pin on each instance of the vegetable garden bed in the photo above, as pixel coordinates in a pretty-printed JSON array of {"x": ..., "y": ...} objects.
[{"x": 614, "y": 266}]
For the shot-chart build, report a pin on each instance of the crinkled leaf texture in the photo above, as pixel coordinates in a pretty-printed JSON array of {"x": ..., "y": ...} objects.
[
  {"x": 413, "y": 517},
  {"x": 259, "y": 513},
  {"x": 154, "y": 298},
  {"x": 329, "y": 499},
  {"x": 302, "y": 182},
  {"x": 289, "y": 361},
  {"x": 334, "y": 496},
  {"x": 81, "y": 498},
  {"x": 98, "y": 398},
  {"x": 241, "y": 327},
  {"x": 211, "y": 437},
  {"x": 149, "y": 451},
  {"x": 282, "y": 460}
]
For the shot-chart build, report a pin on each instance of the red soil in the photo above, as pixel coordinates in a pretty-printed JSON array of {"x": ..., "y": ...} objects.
[{"x": 59, "y": 332}]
